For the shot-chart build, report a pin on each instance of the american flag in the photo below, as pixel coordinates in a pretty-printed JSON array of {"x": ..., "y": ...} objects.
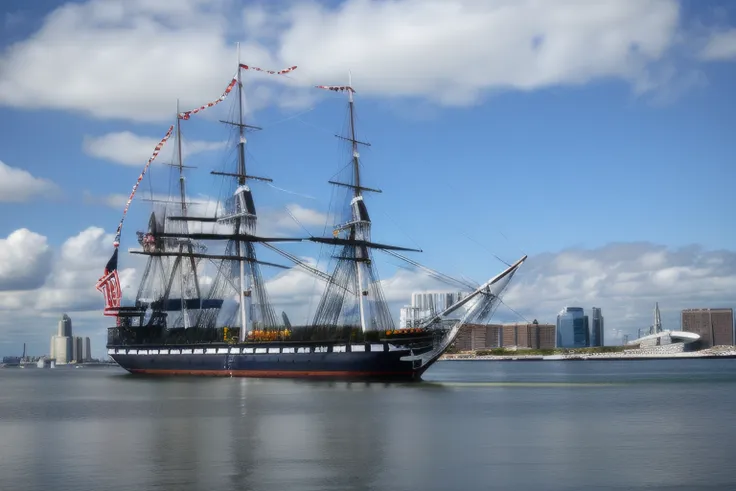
[{"x": 109, "y": 285}]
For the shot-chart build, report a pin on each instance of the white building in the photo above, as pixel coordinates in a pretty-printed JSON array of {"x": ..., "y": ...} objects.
[
  {"x": 62, "y": 349},
  {"x": 426, "y": 304},
  {"x": 66, "y": 348}
]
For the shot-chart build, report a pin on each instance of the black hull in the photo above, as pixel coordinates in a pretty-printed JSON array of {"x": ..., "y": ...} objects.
[{"x": 227, "y": 362}]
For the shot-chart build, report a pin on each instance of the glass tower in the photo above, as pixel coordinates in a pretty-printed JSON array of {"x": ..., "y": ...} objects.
[
  {"x": 596, "y": 327},
  {"x": 572, "y": 328}
]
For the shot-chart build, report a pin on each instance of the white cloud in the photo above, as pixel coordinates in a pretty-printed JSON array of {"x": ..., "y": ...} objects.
[
  {"x": 71, "y": 285},
  {"x": 130, "y": 149},
  {"x": 290, "y": 220},
  {"x": 119, "y": 59},
  {"x": 18, "y": 185},
  {"x": 65, "y": 282},
  {"x": 131, "y": 59},
  {"x": 25, "y": 260},
  {"x": 452, "y": 50},
  {"x": 720, "y": 46}
]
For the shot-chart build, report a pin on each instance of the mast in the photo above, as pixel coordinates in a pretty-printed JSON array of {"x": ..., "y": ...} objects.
[
  {"x": 354, "y": 271},
  {"x": 182, "y": 193},
  {"x": 356, "y": 163},
  {"x": 357, "y": 195},
  {"x": 239, "y": 248}
]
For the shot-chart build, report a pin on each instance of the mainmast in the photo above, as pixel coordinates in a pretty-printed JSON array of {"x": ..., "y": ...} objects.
[
  {"x": 180, "y": 163},
  {"x": 254, "y": 306},
  {"x": 356, "y": 155},
  {"x": 239, "y": 246},
  {"x": 240, "y": 213},
  {"x": 357, "y": 196}
]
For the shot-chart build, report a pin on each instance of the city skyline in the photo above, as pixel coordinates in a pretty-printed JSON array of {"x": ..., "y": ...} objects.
[{"x": 467, "y": 120}]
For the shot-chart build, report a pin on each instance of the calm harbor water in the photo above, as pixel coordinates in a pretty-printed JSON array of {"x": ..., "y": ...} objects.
[{"x": 588, "y": 425}]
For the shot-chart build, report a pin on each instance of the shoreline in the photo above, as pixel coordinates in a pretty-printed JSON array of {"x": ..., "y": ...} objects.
[{"x": 629, "y": 356}]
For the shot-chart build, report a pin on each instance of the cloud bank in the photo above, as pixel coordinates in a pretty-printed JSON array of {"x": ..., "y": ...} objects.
[{"x": 130, "y": 59}]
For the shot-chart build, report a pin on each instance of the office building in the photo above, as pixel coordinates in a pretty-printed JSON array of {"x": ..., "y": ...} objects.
[
  {"x": 596, "y": 327},
  {"x": 86, "y": 350},
  {"x": 572, "y": 328},
  {"x": 715, "y": 326}
]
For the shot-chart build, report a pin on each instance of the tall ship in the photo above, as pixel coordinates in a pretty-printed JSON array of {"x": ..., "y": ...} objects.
[{"x": 180, "y": 324}]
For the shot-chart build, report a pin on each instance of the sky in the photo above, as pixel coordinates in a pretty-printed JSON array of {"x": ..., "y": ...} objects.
[{"x": 594, "y": 136}]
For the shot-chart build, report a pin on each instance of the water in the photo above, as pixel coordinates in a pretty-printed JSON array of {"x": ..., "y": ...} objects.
[{"x": 654, "y": 425}]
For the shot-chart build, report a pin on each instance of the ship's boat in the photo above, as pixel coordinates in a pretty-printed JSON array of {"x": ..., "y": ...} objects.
[{"x": 230, "y": 328}]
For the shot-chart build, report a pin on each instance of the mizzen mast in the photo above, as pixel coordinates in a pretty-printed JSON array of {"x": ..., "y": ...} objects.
[{"x": 184, "y": 262}]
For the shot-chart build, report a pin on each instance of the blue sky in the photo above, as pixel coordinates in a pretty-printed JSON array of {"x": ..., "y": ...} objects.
[{"x": 618, "y": 130}]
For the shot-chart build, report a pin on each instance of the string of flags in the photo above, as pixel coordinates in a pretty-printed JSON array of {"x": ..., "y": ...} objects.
[
  {"x": 187, "y": 114},
  {"x": 156, "y": 151},
  {"x": 109, "y": 283},
  {"x": 270, "y": 72},
  {"x": 336, "y": 88}
]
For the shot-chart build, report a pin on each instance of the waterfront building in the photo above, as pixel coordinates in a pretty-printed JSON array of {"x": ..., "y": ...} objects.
[
  {"x": 715, "y": 326},
  {"x": 426, "y": 304},
  {"x": 76, "y": 348},
  {"x": 518, "y": 335},
  {"x": 410, "y": 317},
  {"x": 62, "y": 349},
  {"x": 65, "y": 347},
  {"x": 596, "y": 327},
  {"x": 86, "y": 350},
  {"x": 572, "y": 328}
]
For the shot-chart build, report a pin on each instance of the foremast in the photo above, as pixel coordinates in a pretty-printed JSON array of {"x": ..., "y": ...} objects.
[
  {"x": 362, "y": 223},
  {"x": 354, "y": 287}
]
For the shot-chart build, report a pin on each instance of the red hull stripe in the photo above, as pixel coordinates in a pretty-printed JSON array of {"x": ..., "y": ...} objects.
[{"x": 273, "y": 373}]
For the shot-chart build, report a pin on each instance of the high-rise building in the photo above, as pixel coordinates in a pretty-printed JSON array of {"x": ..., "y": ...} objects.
[
  {"x": 715, "y": 326},
  {"x": 426, "y": 304},
  {"x": 86, "y": 350},
  {"x": 572, "y": 328},
  {"x": 77, "y": 348},
  {"x": 64, "y": 347},
  {"x": 65, "y": 326},
  {"x": 62, "y": 350},
  {"x": 596, "y": 327},
  {"x": 410, "y": 317}
]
